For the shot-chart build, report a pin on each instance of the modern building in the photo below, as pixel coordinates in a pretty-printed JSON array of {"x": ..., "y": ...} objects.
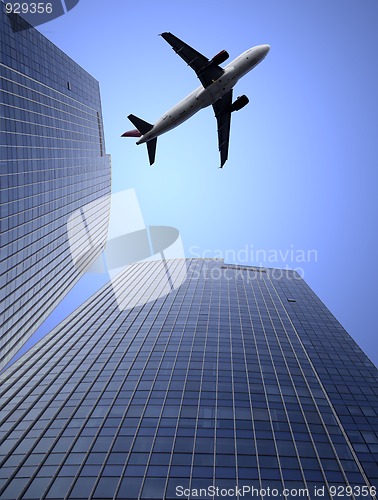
[
  {"x": 239, "y": 378},
  {"x": 52, "y": 162}
]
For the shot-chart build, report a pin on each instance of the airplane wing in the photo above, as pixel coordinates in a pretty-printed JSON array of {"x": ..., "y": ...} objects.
[
  {"x": 206, "y": 70},
  {"x": 222, "y": 110}
]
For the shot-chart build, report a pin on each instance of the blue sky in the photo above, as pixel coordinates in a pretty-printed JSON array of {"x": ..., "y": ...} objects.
[{"x": 302, "y": 170}]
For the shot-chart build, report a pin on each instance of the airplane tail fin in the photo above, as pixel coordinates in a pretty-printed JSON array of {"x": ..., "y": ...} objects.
[
  {"x": 132, "y": 133},
  {"x": 144, "y": 127}
]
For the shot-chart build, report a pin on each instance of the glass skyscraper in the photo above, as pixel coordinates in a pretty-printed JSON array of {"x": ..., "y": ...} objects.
[
  {"x": 238, "y": 384},
  {"x": 52, "y": 162}
]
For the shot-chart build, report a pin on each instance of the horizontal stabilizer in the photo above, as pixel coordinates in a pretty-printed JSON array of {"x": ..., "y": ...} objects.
[
  {"x": 140, "y": 124},
  {"x": 151, "y": 148}
]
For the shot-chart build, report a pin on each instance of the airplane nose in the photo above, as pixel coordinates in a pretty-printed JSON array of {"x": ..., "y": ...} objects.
[
  {"x": 264, "y": 49},
  {"x": 261, "y": 52}
]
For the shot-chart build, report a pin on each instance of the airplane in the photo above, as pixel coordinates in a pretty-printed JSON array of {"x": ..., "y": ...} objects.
[{"x": 216, "y": 89}]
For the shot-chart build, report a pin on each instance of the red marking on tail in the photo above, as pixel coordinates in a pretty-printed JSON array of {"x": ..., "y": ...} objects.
[{"x": 132, "y": 133}]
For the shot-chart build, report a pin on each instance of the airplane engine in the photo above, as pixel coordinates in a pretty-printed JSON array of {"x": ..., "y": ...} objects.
[
  {"x": 240, "y": 102},
  {"x": 219, "y": 58}
]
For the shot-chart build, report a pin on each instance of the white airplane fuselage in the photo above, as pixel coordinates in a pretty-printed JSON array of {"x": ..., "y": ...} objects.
[{"x": 203, "y": 97}]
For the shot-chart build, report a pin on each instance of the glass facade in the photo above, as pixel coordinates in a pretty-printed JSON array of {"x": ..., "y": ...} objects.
[
  {"x": 52, "y": 162},
  {"x": 238, "y": 384}
]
